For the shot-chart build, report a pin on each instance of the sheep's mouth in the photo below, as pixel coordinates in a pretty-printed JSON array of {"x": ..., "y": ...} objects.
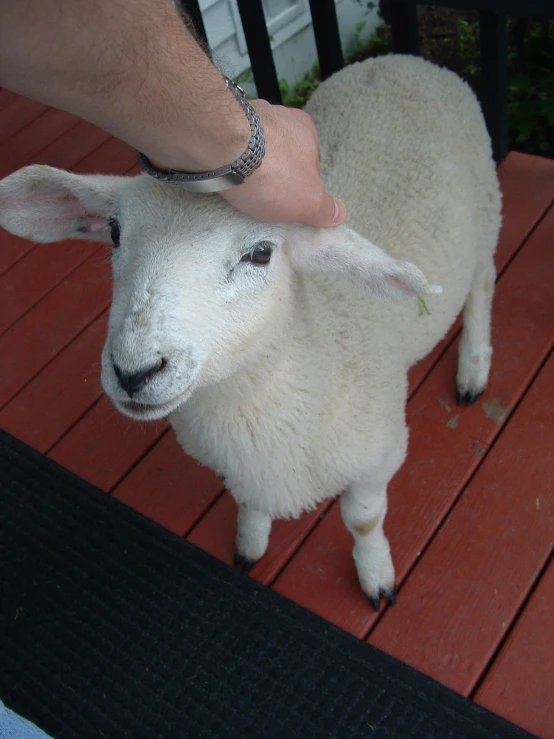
[
  {"x": 149, "y": 411},
  {"x": 142, "y": 410}
]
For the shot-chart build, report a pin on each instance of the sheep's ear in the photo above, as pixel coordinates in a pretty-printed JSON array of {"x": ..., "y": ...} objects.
[
  {"x": 342, "y": 253},
  {"x": 44, "y": 204}
]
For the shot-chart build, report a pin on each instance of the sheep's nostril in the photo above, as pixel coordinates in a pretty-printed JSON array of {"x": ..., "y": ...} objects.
[{"x": 132, "y": 382}]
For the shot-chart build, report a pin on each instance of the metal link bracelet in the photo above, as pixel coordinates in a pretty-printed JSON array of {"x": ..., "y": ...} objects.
[{"x": 224, "y": 177}]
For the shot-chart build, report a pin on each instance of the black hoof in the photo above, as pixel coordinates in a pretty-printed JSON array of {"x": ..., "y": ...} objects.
[
  {"x": 375, "y": 602},
  {"x": 391, "y": 595},
  {"x": 473, "y": 398},
  {"x": 468, "y": 399},
  {"x": 242, "y": 564}
]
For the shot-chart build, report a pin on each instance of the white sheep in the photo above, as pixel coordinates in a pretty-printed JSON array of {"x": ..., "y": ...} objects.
[{"x": 280, "y": 353}]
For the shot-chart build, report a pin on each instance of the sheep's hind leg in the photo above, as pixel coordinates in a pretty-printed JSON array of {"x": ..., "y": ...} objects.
[
  {"x": 475, "y": 350},
  {"x": 253, "y": 530},
  {"x": 363, "y": 511}
]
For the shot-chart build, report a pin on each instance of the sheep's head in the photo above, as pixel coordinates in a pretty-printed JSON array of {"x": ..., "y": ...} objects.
[{"x": 199, "y": 288}]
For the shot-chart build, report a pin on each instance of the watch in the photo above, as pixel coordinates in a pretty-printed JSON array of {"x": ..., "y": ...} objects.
[{"x": 224, "y": 177}]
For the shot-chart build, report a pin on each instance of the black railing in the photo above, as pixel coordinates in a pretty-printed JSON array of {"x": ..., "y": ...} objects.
[
  {"x": 259, "y": 49},
  {"x": 403, "y": 19},
  {"x": 326, "y": 31},
  {"x": 327, "y": 37}
]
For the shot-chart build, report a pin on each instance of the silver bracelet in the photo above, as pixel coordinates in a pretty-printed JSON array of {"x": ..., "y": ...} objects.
[{"x": 224, "y": 177}]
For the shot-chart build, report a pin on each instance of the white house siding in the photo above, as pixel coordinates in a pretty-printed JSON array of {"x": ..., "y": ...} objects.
[{"x": 289, "y": 25}]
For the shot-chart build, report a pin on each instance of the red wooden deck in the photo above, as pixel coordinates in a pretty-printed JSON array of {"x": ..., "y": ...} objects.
[{"x": 471, "y": 518}]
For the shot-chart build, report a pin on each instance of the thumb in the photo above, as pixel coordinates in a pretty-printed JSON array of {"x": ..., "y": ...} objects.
[{"x": 331, "y": 213}]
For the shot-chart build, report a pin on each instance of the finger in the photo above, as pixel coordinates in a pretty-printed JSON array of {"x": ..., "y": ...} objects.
[{"x": 331, "y": 213}]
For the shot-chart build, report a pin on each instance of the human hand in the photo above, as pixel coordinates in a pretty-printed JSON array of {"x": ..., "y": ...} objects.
[{"x": 287, "y": 187}]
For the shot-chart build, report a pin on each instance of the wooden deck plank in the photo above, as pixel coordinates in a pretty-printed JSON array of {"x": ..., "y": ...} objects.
[
  {"x": 25, "y": 144},
  {"x": 520, "y": 683},
  {"x": 284, "y": 540},
  {"x": 33, "y": 277},
  {"x": 469, "y": 584},
  {"x": 446, "y": 445},
  {"x": 528, "y": 186},
  {"x": 16, "y": 116},
  {"x": 7, "y": 98},
  {"x": 32, "y": 342},
  {"x": 113, "y": 157},
  {"x": 104, "y": 445},
  {"x": 44, "y": 411},
  {"x": 170, "y": 487},
  {"x": 70, "y": 148}
]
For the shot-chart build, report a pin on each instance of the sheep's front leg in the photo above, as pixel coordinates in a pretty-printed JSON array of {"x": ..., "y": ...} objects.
[
  {"x": 253, "y": 530},
  {"x": 363, "y": 509}
]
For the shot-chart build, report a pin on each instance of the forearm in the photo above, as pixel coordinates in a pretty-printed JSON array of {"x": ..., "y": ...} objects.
[{"x": 131, "y": 67}]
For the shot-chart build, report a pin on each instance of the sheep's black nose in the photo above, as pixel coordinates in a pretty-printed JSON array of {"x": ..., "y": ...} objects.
[{"x": 133, "y": 382}]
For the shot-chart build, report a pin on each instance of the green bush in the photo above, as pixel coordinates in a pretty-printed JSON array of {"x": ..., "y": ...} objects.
[
  {"x": 298, "y": 95},
  {"x": 531, "y": 80}
]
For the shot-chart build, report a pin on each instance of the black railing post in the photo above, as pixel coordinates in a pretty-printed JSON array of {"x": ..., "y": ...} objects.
[
  {"x": 327, "y": 36},
  {"x": 193, "y": 11},
  {"x": 403, "y": 20},
  {"x": 259, "y": 48},
  {"x": 494, "y": 66}
]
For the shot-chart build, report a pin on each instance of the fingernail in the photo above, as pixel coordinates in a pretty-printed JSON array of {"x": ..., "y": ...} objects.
[{"x": 336, "y": 217}]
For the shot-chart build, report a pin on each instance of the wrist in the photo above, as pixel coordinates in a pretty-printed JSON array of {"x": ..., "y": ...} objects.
[
  {"x": 213, "y": 178},
  {"x": 217, "y": 135}
]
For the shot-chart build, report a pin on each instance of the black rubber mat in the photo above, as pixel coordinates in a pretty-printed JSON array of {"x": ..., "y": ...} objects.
[{"x": 112, "y": 627}]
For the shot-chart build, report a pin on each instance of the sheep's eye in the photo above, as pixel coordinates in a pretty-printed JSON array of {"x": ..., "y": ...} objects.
[
  {"x": 115, "y": 231},
  {"x": 259, "y": 255}
]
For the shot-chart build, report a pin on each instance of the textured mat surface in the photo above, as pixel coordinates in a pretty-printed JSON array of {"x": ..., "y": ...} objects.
[{"x": 112, "y": 627}]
